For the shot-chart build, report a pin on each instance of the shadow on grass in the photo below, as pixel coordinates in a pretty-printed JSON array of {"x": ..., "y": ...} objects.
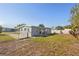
[
  {"x": 53, "y": 34},
  {"x": 2, "y": 34}
]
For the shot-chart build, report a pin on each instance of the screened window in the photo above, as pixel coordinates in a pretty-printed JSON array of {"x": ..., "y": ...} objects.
[
  {"x": 24, "y": 29},
  {"x": 28, "y": 30}
]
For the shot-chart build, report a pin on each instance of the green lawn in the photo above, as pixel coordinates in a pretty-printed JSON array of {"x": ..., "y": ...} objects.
[
  {"x": 4, "y": 37},
  {"x": 57, "y": 45},
  {"x": 56, "y": 38},
  {"x": 10, "y": 32},
  {"x": 53, "y": 45}
]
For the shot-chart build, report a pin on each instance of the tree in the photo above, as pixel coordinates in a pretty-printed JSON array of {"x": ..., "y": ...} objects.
[
  {"x": 75, "y": 17},
  {"x": 59, "y": 28},
  {"x": 19, "y": 26},
  {"x": 75, "y": 10},
  {"x": 0, "y": 29},
  {"x": 68, "y": 27},
  {"x": 41, "y": 28}
]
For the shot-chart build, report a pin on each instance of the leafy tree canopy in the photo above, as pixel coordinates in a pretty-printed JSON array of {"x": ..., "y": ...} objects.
[
  {"x": 59, "y": 28},
  {"x": 41, "y": 26},
  {"x": 75, "y": 17},
  {"x": 20, "y": 26}
]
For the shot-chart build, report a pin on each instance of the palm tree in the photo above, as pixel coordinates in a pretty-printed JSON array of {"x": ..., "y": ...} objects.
[
  {"x": 75, "y": 10},
  {"x": 75, "y": 17}
]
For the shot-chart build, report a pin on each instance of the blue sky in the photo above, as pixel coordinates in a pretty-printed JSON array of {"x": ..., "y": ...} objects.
[{"x": 34, "y": 14}]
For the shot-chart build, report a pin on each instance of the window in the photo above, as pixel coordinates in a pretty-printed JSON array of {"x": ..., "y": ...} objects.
[
  {"x": 28, "y": 30},
  {"x": 24, "y": 29}
]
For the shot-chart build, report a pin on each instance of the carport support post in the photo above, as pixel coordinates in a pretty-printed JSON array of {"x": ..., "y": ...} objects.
[{"x": 18, "y": 35}]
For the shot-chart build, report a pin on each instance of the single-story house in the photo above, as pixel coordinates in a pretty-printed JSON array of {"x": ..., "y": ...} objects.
[
  {"x": 8, "y": 29},
  {"x": 56, "y": 31},
  {"x": 32, "y": 31},
  {"x": 65, "y": 31}
]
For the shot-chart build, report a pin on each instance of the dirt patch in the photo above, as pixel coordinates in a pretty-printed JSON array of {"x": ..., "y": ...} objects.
[{"x": 27, "y": 47}]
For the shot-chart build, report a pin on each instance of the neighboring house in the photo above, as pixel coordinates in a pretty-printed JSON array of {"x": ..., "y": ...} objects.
[
  {"x": 32, "y": 31},
  {"x": 65, "y": 31},
  {"x": 8, "y": 29},
  {"x": 56, "y": 31}
]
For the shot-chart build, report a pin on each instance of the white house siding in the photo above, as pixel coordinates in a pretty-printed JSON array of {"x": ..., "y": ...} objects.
[
  {"x": 35, "y": 31},
  {"x": 56, "y": 31},
  {"x": 65, "y": 31},
  {"x": 31, "y": 31},
  {"x": 48, "y": 30},
  {"x": 25, "y": 32}
]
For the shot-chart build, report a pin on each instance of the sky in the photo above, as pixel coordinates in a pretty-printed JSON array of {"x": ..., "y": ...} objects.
[{"x": 49, "y": 14}]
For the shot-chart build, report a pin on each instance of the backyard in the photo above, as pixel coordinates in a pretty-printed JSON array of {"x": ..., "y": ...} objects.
[
  {"x": 53, "y": 45},
  {"x": 5, "y": 37}
]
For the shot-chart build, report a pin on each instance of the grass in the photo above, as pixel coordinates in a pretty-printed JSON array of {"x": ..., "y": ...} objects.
[
  {"x": 55, "y": 38},
  {"x": 53, "y": 45},
  {"x": 10, "y": 32},
  {"x": 4, "y": 37},
  {"x": 58, "y": 45}
]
